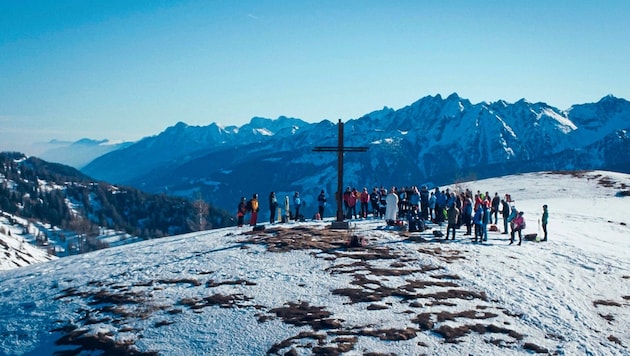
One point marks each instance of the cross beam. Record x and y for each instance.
(340, 149)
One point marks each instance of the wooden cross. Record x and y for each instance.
(340, 149)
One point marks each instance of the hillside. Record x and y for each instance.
(16, 250)
(297, 289)
(66, 212)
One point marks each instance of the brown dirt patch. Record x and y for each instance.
(615, 340)
(238, 282)
(469, 314)
(302, 313)
(535, 348)
(608, 317)
(222, 300)
(89, 343)
(391, 334)
(298, 238)
(610, 303)
(453, 334)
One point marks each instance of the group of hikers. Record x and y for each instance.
(419, 206)
(252, 207)
(415, 206)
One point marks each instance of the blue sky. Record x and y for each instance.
(124, 70)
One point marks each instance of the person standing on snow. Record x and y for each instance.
(273, 205)
(487, 219)
(453, 214)
(287, 209)
(432, 200)
(321, 200)
(467, 213)
(440, 206)
(477, 220)
(519, 225)
(545, 219)
(424, 203)
(391, 207)
(253, 208)
(374, 199)
(241, 211)
(297, 201)
(364, 198)
(496, 201)
(511, 217)
(505, 212)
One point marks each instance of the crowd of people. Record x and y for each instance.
(412, 207)
(252, 207)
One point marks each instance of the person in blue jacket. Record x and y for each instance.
(477, 220)
(297, 202)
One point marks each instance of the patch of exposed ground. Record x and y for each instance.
(282, 239)
(118, 305)
(372, 269)
(434, 303)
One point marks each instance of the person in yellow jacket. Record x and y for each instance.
(253, 208)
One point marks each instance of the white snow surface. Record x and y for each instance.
(568, 296)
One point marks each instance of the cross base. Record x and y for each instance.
(339, 225)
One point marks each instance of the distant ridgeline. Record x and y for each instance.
(433, 141)
(59, 195)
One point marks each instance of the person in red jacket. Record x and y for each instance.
(364, 198)
(241, 211)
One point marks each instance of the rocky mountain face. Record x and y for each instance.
(433, 141)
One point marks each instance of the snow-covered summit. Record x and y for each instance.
(297, 289)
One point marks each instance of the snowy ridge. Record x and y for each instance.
(296, 288)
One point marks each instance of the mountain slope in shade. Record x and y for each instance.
(296, 288)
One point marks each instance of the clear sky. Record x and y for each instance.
(123, 70)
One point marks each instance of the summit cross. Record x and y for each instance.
(340, 149)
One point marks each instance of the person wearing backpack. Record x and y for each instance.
(519, 225)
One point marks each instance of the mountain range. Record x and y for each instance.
(433, 141)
